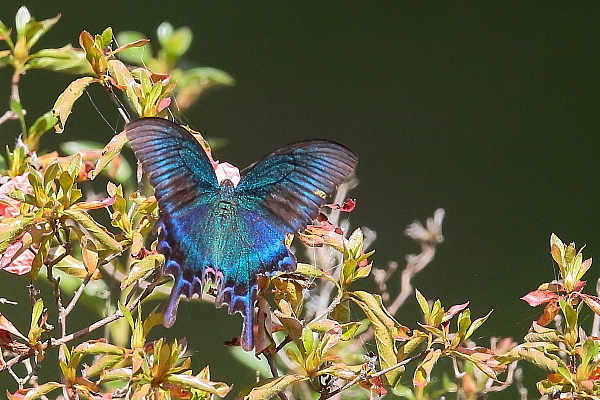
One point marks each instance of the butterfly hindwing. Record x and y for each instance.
(226, 234)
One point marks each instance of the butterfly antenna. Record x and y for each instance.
(118, 103)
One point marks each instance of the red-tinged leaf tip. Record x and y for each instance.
(579, 285)
(452, 311)
(537, 297)
(7, 328)
(347, 206)
(374, 385)
(115, 84)
(592, 302)
(164, 103)
(93, 205)
(550, 312)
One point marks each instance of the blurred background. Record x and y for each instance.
(489, 111)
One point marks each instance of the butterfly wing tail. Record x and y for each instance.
(240, 299)
(170, 311)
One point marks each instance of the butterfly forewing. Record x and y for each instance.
(225, 234)
(289, 185)
(179, 169)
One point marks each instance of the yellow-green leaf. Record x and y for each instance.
(64, 104)
(270, 387)
(384, 326)
(97, 231)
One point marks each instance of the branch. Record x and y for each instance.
(8, 115)
(65, 339)
(364, 377)
(428, 239)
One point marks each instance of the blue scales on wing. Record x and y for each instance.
(210, 230)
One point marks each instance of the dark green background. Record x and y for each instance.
(489, 111)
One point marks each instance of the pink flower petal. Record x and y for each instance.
(15, 263)
(224, 170)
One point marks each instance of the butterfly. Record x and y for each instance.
(227, 234)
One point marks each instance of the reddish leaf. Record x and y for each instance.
(93, 205)
(325, 224)
(452, 311)
(550, 311)
(164, 103)
(347, 206)
(537, 297)
(592, 302)
(374, 385)
(7, 326)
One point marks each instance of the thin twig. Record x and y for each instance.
(363, 377)
(67, 338)
(8, 115)
(274, 373)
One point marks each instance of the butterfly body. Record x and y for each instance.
(227, 234)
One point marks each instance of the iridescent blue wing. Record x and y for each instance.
(180, 171)
(281, 194)
(290, 185)
(186, 189)
(225, 234)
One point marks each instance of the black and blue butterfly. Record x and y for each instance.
(216, 231)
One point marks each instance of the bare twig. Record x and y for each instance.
(7, 116)
(365, 377)
(274, 372)
(428, 239)
(67, 338)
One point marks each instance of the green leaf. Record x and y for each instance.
(126, 313)
(124, 77)
(50, 174)
(132, 49)
(35, 30)
(104, 239)
(38, 391)
(4, 32)
(64, 59)
(423, 304)
(36, 313)
(174, 42)
(209, 76)
(268, 388)
(12, 228)
(64, 104)
(75, 166)
(41, 125)
(188, 381)
(16, 107)
(590, 351)
(98, 347)
(355, 244)
(105, 39)
(142, 268)
(383, 326)
(309, 270)
(464, 321)
(423, 371)
(102, 365)
(476, 324)
(110, 151)
(72, 266)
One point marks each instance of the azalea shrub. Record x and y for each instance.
(312, 324)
